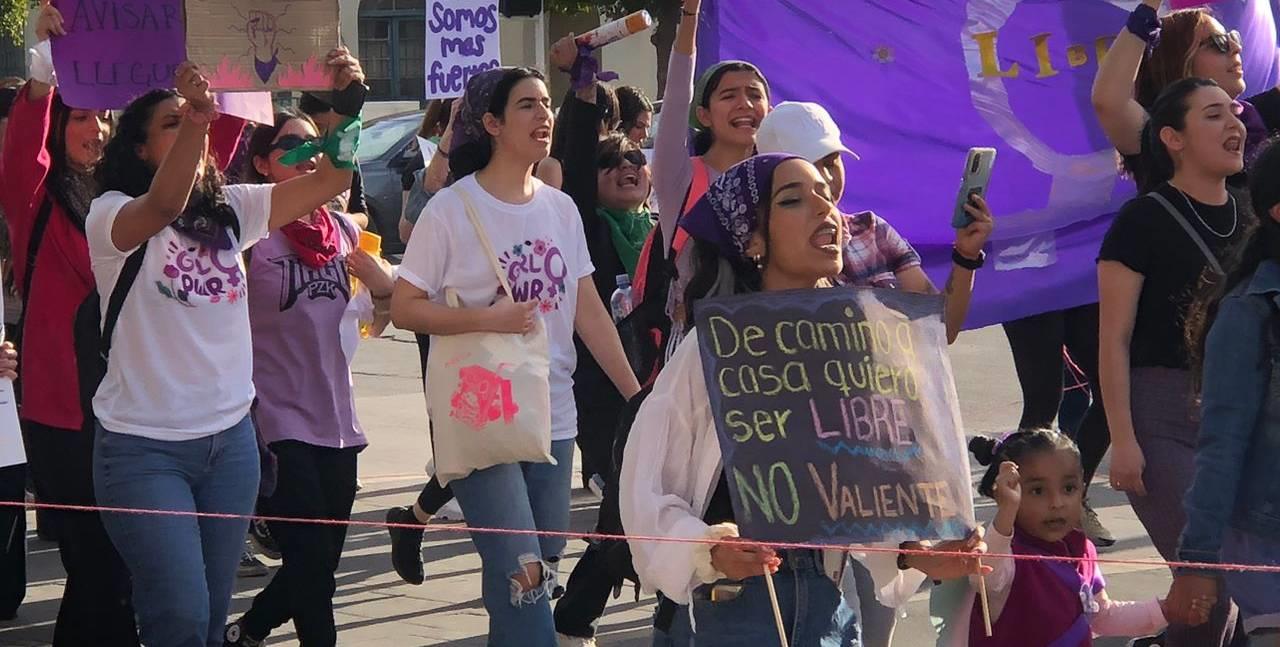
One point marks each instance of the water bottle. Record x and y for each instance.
(620, 302)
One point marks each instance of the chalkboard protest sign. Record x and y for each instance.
(836, 415)
(115, 50)
(462, 41)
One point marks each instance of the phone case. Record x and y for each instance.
(977, 175)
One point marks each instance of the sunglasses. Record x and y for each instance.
(290, 142)
(1223, 43)
(616, 160)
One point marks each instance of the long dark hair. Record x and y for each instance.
(606, 102)
(703, 138)
(475, 155)
(632, 102)
(1170, 60)
(59, 166)
(1262, 242)
(436, 118)
(260, 142)
(1155, 165)
(709, 268)
(123, 170)
(1017, 447)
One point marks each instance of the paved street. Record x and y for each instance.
(375, 608)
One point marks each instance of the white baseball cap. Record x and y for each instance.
(800, 128)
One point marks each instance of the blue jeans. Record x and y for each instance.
(183, 567)
(814, 612)
(524, 496)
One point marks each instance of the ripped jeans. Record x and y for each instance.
(523, 496)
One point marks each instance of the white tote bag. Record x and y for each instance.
(488, 394)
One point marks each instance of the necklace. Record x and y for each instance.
(1235, 214)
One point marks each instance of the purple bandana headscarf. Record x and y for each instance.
(726, 215)
(475, 103)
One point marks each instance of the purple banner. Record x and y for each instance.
(914, 84)
(115, 50)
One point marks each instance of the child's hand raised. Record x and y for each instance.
(1008, 488)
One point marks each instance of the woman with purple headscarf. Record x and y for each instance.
(504, 128)
(768, 224)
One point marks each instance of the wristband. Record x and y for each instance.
(350, 100)
(586, 70)
(970, 264)
(1145, 24)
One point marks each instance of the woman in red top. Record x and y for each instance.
(47, 169)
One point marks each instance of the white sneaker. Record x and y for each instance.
(574, 641)
(596, 485)
(451, 511)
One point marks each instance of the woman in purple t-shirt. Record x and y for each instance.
(300, 301)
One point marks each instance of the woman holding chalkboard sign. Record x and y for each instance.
(767, 224)
(173, 426)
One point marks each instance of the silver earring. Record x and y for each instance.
(756, 259)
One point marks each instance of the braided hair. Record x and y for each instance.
(1016, 447)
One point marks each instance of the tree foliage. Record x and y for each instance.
(13, 19)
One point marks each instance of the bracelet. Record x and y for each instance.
(691, 14)
(440, 151)
(967, 263)
(1145, 24)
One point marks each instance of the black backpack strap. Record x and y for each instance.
(128, 274)
(33, 248)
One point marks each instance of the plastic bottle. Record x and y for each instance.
(620, 302)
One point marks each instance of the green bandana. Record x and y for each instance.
(339, 146)
(629, 229)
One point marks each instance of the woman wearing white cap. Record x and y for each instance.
(874, 254)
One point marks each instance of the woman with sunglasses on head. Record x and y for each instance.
(1150, 54)
(502, 130)
(768, 224)
(1152, 261)
(173, 408)
(300, 294)
(608, 178)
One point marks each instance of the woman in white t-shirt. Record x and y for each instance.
(173, 427)
(504, 128)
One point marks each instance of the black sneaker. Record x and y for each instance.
(235, 636)
(251, 566)
(406, 546)
(1149, 641)
(262, 540)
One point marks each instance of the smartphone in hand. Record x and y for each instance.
(977, 175)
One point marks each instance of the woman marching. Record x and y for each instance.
(503, 129)
(300, 294)
(173, 408)
(1151, 263)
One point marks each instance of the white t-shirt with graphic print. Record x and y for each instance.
(181, 364)
(541, 247)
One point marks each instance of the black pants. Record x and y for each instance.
(604, 565)
(97, 600)
(312, 483)
(1037, 343)
(599, 406)
(13, 539)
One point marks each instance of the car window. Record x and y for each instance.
(379, 137)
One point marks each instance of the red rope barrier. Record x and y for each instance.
(1261, 568)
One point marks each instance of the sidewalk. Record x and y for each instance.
(375, 608)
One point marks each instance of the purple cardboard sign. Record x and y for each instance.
(115, 50)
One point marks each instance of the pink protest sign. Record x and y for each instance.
(250, 106)
(263, 45)
(115, 50)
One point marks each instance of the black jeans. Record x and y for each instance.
(312, 483)
(1037, 343)
(604, 565)
(13, 539)
(97, 600)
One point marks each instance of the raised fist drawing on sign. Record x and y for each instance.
(262, 28)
